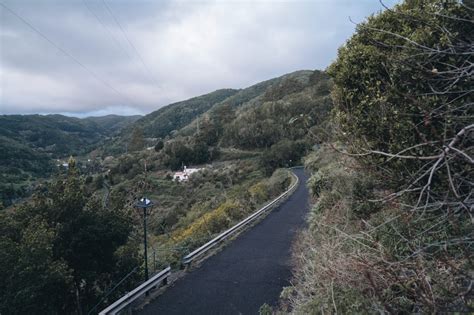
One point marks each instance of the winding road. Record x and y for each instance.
(250, 271)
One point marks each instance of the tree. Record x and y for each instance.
(201, 153)
(32, 279)
(178, 154)
(221, 116)
(207, 131)
(61, 249)
(283, 154)
(137, 141)
(159, 145)
(404, 104)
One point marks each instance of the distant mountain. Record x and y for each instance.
(293, 87)
(285, 110)
(163, 121)
(177, 115)
(28, 143)
(182, 117)
(60, 135)
(112, 123)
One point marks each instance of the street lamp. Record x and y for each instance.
(145, 204)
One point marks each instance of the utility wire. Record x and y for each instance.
(130, 42)
(67, 54)
(117, 42)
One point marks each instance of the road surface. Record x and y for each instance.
(250, 271)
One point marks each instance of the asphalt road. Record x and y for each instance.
(249, 272)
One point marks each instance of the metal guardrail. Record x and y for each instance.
(204, 248)
(163, 275)
(128, 298)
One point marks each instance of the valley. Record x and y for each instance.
(143, 209)
(239, 139)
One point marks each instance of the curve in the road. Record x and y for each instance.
(249, 272)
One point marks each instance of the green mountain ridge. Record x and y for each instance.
(113, 123)
(253, 118)
(28, 143)
(182, 117)
(177, 115)
(60, 135)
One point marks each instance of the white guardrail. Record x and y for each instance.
(204, 248)
(131, 296)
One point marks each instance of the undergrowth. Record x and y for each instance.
(359, 255)
(215, 205)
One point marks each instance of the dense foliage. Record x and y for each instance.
(62, 250)
(29, 143)
(391, 231)
(59, 135)
(404, 82)
(175, 116)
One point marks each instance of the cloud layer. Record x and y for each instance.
(129, 57)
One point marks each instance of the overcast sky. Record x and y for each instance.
(97, 57)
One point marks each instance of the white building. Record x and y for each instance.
(185, 174)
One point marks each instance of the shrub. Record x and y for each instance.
(259, 192)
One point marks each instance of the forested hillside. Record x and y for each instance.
(265, 109)
(392, 230)
(167, 119)
(29, 144)
(273, 119)
(112, 124)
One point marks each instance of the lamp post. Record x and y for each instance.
(145, 204)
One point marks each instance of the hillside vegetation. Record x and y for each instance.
(62, 250)
(167, 119)
(80, 229)
(30, 143)
(391, 230)
(275, 123)
(218, 118)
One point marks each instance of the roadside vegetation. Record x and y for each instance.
(391, 229)
(186, 214)
(79, 234)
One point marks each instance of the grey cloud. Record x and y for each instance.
(189, 48)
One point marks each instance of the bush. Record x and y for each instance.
(283, 154)
(259, 192)
(399, 84)
(159, 146)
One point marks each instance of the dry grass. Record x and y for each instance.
(380, 261)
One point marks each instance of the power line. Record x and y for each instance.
(117, 42)
(130, 42)
(67, 54)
